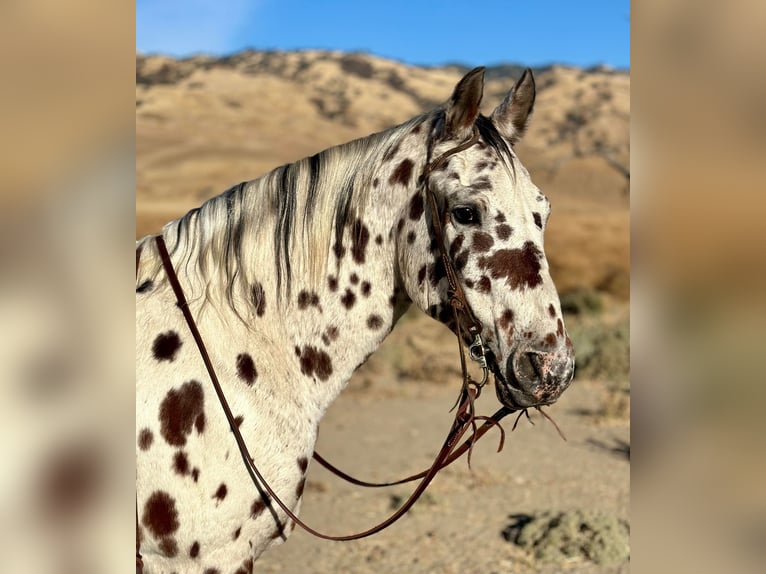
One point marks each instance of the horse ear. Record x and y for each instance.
(512, 116)
(462, 108)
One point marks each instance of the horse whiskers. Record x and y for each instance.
(475, 430)
(547, 416)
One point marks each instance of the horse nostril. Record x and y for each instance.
(525, 368)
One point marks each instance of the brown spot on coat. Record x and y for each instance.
(503, 231)
(354, 278)
(417, 207)
(308, 298)
(211, 571)
(411, 237)
(237, 532)
(560, 329)
(402, 173)
(194, 549)
(303, 464)
(379, 239)
(314, 361)
(551, 310)
(500, 218)
(332, 283)
(348, 299)
(246, 368)
(484, 285)
(160, 515)
(506, 320)
(246, 568)
(538, 219)
(482, 184)
(421, 275)
(179, 410)
(166, 346)
(195, 474)
(360, 237)
(145, 439)
(220, 493)
(550, 339)
(259, 298)
(366, 288)
(168, 547)
(145, 286)
(330, 334)
(519, 267)
(257, 508)
(239, 420)
(456, 244)
(299, 488)
(482, 242)
(181, 463)
(374, 322)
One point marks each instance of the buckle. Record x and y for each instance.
(477, 351)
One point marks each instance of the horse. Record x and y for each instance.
(295, 278)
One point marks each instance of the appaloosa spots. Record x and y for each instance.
(366, 288)
(379, 239)
(238, 531)
(258, 297)
(560, 328)
(503, 231)
(160, 515)
(181, 463)
(551, 310)
(402, 173)
(211, 571)
(360, 237)
(168, 547)
(145, 287)
(314, 361)
(145, 439)
(354, 278)
(506, 320)
(482, 242)
(299, 488)
(348, 299)
(374, 322)
(194, 550)
(246, 568)
(411, 236)
(456, 244)
(416, 207)
(421, 275)
(308, 299)
(484, 285)
(330, 334)
(166, 346)
(256, 509)
(500, 218)
(538, 219)
(180, 410)
(519, 267)
(303, 464)
(332, 283)
(482, 184)
(246, 368)
(220, 493)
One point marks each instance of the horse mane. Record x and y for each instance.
(218, 245)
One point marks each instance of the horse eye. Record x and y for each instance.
(465, 215)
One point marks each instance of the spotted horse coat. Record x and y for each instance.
(294, 279)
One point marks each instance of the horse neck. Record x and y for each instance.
(307, 331)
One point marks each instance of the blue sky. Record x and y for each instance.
(429, 32)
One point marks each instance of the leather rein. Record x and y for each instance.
(465, 417)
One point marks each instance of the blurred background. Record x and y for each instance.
(225, 91)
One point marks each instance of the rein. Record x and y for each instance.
(465, 416)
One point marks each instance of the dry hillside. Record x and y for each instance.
(205, 123)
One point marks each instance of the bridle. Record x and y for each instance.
(466, 323)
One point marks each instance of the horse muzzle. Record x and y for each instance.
(535, 377)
